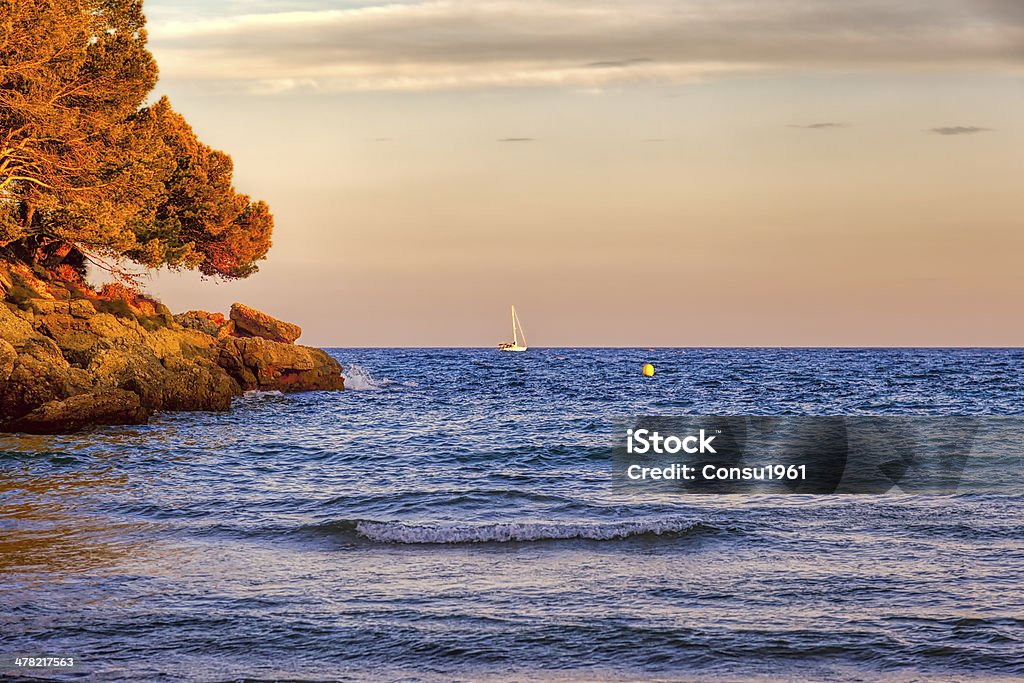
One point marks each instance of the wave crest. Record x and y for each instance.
(511, 532)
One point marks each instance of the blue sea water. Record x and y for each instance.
(452, 517)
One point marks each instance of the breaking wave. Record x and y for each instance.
(359, 378)
(510, 532)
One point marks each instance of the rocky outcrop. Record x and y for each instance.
(39, 375)
(66, 365)
(174, 382)
(252, 323)
(82, 411)
(263, 364)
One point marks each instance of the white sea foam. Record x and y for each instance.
(359, 378)
(397, 532)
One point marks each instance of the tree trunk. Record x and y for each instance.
(28, 212)
(56, 254)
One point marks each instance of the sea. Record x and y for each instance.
(452, 517)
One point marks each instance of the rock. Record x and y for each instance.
(8, 354)
(40, 375)
(257, 363)
(166, 343)
(45, 306)
(112, 327)
(13, 327)
(213, 324)
(135, 369)
(175, 383)
(82, 308)
(80, 339)
(72, 335)
(81, 411)
(252, 323)
(197, 384)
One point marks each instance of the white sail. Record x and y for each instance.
(517, 332)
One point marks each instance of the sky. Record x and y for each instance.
(687, 173)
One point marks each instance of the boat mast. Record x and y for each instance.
(516, 323)
(515, 340)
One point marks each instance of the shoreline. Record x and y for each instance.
(72, 357)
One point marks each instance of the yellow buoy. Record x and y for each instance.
(648, 370)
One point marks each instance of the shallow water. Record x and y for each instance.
(453, 518)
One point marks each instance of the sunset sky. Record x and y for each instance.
(745, 172)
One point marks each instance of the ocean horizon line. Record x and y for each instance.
(993, 347)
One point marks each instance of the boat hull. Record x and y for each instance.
(512, 347)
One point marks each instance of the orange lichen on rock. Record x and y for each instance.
(139, 303)
(213, 324)
(252, 323)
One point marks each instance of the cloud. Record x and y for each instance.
(819, 126)
(516, 140)
(618, 63)
(277, 86)
(958, 130)
(481, 44)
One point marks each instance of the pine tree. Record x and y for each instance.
(87, 167)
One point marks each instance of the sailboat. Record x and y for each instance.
(517, 332)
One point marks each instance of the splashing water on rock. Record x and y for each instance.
(360, 379)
